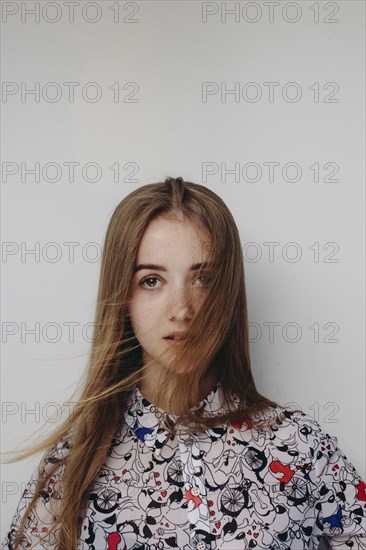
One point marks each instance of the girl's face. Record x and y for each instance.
(166, 289)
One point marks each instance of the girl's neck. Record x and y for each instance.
(148, 390)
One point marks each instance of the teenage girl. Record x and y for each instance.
(170, 444)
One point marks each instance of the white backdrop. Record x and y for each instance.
(263, 102)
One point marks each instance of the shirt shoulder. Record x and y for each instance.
(288, 433)
(295, 436)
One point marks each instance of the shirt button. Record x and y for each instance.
(189, 442)
(195, 492)
(201, 545)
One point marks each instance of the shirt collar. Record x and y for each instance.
(146, 420)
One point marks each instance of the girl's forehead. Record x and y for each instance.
(184, 246)
(164, 253)
(169, 231)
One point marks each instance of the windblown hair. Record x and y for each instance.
(217, 341)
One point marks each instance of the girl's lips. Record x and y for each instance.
(177, 335)
(174, 342)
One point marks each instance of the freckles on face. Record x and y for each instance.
(166, 291)
(145, 313)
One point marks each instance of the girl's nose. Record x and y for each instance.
(180, 304)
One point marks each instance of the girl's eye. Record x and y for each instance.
(206, 279)
(150, 282)
(146, 280)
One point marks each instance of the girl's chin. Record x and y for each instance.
(173, 367)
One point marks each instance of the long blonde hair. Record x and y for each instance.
(217, 341)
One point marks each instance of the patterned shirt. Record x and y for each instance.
(231, 487)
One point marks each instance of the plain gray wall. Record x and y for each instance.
(291, 132)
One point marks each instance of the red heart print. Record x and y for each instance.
(256, 535)
(218, 524)
(249, 532)
(164, 493)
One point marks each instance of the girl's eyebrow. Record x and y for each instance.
(194, 267)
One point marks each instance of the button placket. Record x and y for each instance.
(195, 491)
